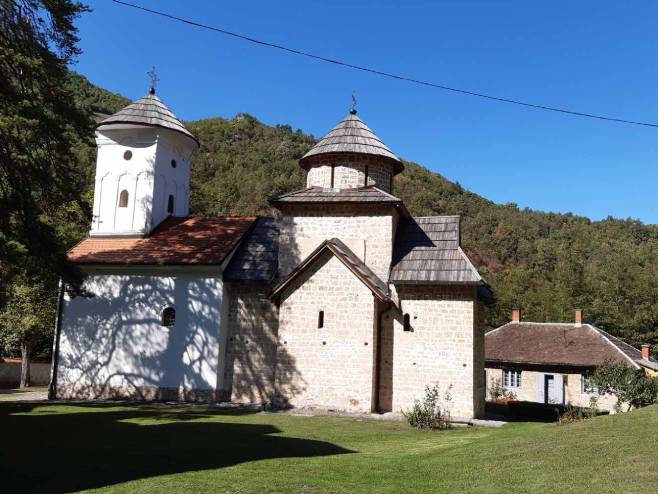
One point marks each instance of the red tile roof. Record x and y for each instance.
(553, 344)
(176, 241)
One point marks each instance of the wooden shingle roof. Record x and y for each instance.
(257, 257)
(149, 110)
(378, 287)
(369, 194)
(176, 241)
(427, 251)
(351, 135)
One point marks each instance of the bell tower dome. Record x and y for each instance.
(142, 169)
(351, 156)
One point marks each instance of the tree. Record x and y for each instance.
(24, 322)
(40, 125)
(630, 386)
(41, 128)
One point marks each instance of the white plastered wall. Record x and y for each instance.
(115, 339)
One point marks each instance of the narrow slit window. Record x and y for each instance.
(333, 170)
(321, 319)
(407, 322)
(170, 204)
(123, 199)
(365, 181)
(169, 317)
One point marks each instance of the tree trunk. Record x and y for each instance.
(26, 354)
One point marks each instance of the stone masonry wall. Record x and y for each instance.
(445, 347)
(328, 367)
(349, 172)
(374, 225)
(251, 344)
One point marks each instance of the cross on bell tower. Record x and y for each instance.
(153, 76)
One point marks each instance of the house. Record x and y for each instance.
(552, 362)
(342, 300)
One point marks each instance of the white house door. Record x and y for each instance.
(553, 392)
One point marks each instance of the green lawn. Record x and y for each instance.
(196, 449)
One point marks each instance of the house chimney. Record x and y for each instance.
(579, 317)
(645, 352)
(516, 314)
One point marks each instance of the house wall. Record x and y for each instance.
(329, 367)
(113, 344)
(349, 171)
(532, 389)
(444, 348)
(251, 350)
(10, 373)
(304, 227)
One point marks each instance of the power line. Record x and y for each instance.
(382, 73)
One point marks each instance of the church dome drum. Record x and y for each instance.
(351, 156)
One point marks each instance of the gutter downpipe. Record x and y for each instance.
(52, 387)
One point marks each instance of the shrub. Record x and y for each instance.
(499, 393)
(573, 414)
(433, 411)
(631, 386)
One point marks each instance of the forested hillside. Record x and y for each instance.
(547, 263)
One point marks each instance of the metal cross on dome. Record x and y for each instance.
(154, 79)
(353, 111)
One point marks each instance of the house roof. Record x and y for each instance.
(150, 111)
(257, 257)
(351, 135)
(369, 194)
(427, 251)
(557, 344)
(176, 241)
(348, 258)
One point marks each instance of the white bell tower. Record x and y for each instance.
(142, 169)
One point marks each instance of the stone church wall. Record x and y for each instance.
(445, 347)
(328, 367)
(251, 346)
(373, 225)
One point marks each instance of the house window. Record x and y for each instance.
(173, 163)
(512, 378)
(321, 319)
(588, 387)
(169, 317)
(407, 322)
(123, 199)
(127, 155)
(170, 204)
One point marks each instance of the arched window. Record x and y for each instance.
(170, 204)
(123, 199)
(407, 323)
(173, 163)
(321, 319)
(169, 317)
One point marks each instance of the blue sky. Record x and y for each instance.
(595, 57)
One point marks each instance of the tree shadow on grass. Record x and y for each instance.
(88, 447)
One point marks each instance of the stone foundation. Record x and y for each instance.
(148, 393)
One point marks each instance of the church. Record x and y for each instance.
(340, 301)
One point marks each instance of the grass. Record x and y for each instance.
(157, 448)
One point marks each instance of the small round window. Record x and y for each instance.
(127, 155)
(173, 163)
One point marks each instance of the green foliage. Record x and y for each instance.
(433, 411)
(630, 386)
(30, 303)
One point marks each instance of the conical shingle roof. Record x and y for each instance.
(351, 135)
(149, 110)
